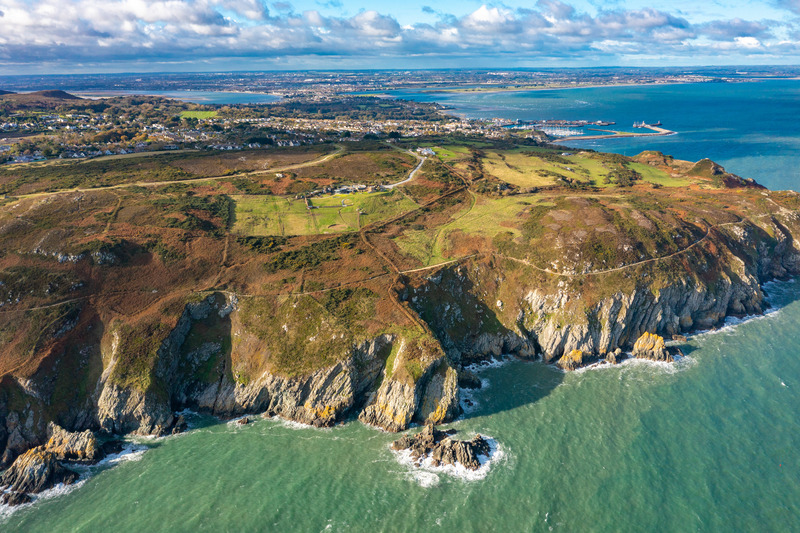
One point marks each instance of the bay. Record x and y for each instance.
(750, 128)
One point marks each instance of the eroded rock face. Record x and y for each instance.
(431, 397)
(442, 449)
(77, 446)
(651, 346)
(36, 470)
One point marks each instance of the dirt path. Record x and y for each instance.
(296, 166)
(114, 212)
(623, 267)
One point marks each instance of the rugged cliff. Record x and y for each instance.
(115, 316)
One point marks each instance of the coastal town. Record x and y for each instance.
(64, 126)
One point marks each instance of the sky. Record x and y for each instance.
(73, 36)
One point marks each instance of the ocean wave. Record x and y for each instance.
(494, 362)
(292, 424)
(730, 323)
(6, 511)
(468, 401)
(233, 423)
(427, 475)
(131, 452)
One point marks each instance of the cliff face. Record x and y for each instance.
(497, 306)
(227, 375)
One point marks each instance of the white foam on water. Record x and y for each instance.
(424, 472)
(291, 424)
(131, 452)
(495, 362)
(732, 322)
(59, 490)
(468, 395)
(770, 288)
(233, 423)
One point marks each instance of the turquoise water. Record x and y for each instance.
(708, 444)
(752, 129)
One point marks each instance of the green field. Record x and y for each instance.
(525, 169)
(198, 114)
(659, 177)
(274, 215)
(450, 153)
(487, 218)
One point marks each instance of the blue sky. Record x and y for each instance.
(44, 36)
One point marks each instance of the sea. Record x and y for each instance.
(709, 443)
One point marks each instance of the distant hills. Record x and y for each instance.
(61, 95)
(50, 99)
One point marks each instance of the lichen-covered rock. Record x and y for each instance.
(393, 407)
(651, 346)
(572, 360)
(439, 402)
(442, 449)
(36, 470)
(69, 446)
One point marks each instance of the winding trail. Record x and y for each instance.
(313, 162)
(623, 267)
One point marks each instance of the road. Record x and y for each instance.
(410, 174)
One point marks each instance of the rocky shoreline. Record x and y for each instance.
(43, 467)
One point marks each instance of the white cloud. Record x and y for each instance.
(34, 31)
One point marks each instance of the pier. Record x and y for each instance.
(657, 131)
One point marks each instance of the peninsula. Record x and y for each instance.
(351, 280)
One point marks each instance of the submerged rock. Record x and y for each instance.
(15, 498)
(468, 380)
(442, 449)
(36, 470)
(651, 346)
(68, 446)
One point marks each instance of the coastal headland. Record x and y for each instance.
(327, 282)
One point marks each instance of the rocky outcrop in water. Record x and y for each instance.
(572, 360)
(651, 346)
(41, 468)
(442, 449)
(36, 470)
